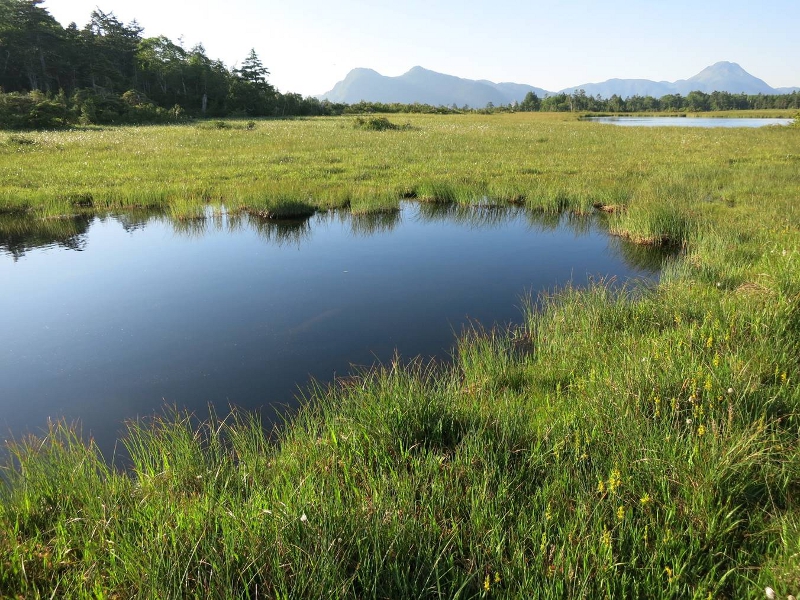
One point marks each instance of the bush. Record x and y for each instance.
(32, 111)
(378, 124)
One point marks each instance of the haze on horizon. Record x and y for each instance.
(310, 46)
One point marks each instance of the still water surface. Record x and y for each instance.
(107, 319)
(688, 121)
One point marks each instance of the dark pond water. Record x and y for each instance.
(107, 319)
(688, 121)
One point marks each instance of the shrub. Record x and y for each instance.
(378, 124)
(32, 111)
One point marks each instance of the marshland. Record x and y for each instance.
(613, 441)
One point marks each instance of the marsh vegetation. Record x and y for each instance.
(613, 444)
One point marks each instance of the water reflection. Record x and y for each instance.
(132, 220)
(646, 258)
(286, 232)
(215, 221)
(20, 233)
(375, 223)
(683, 121)
(234, 309)
(475, 216)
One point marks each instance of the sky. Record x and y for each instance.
(310, 45)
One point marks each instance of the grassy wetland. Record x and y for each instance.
(633, 443)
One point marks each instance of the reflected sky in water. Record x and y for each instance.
(702, 122)
(107, 319)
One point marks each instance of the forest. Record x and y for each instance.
(108, 72)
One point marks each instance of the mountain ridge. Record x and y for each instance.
(421, 85)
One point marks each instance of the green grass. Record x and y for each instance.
(289, 167)
(633, 443)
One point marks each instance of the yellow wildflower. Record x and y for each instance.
(606, 538)
(701, 431)
(645, 500)
(486, 583)
(614, 480)
(621, 513)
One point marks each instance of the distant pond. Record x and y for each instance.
(110, 318)
(688, 121)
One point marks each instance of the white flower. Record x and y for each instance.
(303, 518)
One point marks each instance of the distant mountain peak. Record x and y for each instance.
(728, 77)
(363, 70)
(723, 68)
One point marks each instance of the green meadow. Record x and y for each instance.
(642, 442)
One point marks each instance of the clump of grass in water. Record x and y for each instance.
(653, 224)
(281, 208)
(187, 209)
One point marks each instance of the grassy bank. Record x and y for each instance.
(290, 168)
(616, 444)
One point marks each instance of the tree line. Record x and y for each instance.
(107, 72)
(696, 101)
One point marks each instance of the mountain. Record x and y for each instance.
(426, 87)
(722, 77)
(725, 77)
(719, 77)
(429, 87)
(624, 88)
(517, 91)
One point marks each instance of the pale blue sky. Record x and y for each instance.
(310, 45)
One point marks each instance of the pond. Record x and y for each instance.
(109, 318)
(688, 121)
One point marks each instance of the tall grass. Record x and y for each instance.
(642, 442)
